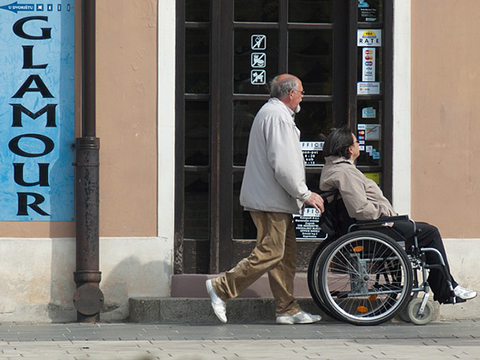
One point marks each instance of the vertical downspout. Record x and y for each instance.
(88, 298)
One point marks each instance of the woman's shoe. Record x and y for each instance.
(463, 293)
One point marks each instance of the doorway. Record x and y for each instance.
(227, 51)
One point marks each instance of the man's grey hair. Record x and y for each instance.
(281, 87)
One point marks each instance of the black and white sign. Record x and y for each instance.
(259, 60)
(259, 42)
(258, 77)
(307, 225)
(310, 150)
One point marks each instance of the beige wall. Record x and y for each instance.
(126, 123)
(127, 116)
(446, 115)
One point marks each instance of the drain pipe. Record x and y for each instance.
(88, 298)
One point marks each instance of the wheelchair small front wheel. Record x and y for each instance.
(365, 278)
(415, 317)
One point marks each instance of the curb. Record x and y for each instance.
(198, 310)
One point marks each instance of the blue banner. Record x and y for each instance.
(37, 110)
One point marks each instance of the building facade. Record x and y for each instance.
(178, 83)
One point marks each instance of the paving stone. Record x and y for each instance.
(439, 340)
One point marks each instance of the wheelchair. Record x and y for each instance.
(362, 276)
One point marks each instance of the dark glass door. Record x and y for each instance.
(229, 55)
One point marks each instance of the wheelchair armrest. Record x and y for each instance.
(379, 222)
(386, 219)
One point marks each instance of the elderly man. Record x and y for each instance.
(364, 200)
(273, 189)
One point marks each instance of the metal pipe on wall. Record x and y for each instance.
(88, 298)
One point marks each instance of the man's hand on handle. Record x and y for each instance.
(316, 201)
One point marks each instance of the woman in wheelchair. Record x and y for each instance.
(364, 200)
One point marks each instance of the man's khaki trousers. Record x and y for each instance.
(275, 253)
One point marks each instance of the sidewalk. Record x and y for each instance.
(438, 340)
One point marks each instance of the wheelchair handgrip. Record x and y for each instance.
(327, 194)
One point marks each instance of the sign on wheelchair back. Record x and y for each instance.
(307, 225)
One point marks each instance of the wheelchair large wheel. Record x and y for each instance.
(313, 277)
(365, 278)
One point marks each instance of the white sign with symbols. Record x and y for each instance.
(259, 42)
(259, 60)
(258, 77)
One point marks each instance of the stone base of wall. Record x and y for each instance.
(38, 287)
(37, 277)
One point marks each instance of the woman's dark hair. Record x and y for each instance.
(338, 143)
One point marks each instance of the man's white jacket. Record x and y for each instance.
(274, 179)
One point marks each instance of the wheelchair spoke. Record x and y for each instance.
(350, 267)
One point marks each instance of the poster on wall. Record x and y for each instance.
(37, 108)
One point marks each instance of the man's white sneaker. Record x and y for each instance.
(463, 293)
(301, 317)
(218, 305)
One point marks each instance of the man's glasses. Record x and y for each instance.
(301, 92)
